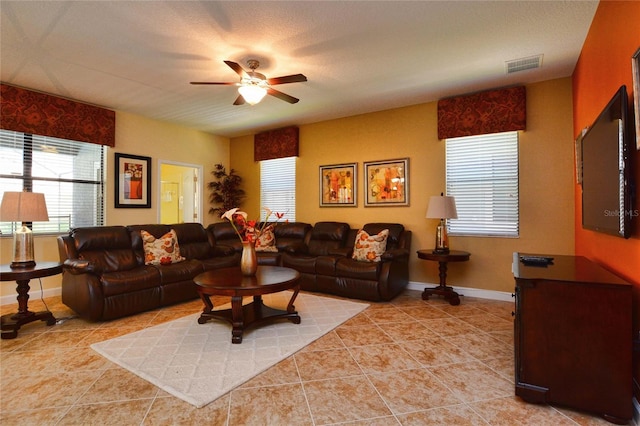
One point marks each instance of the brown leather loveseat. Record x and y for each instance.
(326, 265)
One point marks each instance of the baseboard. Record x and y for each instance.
(467, 291)
(413, 285)
(34, 294)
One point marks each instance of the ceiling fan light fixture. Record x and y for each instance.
(252, 93)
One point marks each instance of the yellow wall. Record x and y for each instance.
(138, 136)
(546, 181)
(161, 141)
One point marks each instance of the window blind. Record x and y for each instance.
(278, 187)
(69, 173)
(482, 175)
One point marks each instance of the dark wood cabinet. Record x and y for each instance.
(573, 336)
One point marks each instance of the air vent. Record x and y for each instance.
(523, 64)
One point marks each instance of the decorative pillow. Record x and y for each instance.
(161, 251)
(267, 240)
(370, 247)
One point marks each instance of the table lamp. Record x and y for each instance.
(23, 207)
(442, 207)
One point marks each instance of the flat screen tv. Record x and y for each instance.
(606, 170)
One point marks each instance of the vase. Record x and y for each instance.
(248, 261)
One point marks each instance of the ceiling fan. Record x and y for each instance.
(253, 86)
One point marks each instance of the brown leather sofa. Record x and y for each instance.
(105, 277)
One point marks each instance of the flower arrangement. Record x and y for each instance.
(247, 230)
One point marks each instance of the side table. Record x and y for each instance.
(11, 323)
(442, 259)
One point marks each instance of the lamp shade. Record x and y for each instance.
(442, 207)
(23, 207)
(252, 93)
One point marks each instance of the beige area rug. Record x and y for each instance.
(197, 362)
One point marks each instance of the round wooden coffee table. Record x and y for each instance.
(231, 282)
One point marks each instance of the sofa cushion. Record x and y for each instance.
(349, 268)
(369, 248)
(326, 236)
(161, 251)
(301, 263)
(121, 282)
(107, 248)
(291, 235)
(193, 240)
(157, 230)
(179, 272)
(267, 240)
(396, 232)
(223, 234)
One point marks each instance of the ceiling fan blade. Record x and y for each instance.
(294, 78)
(210, 82)
(239, 100)
(236, 67)
(283, 96)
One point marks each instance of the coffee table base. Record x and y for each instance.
(242, 317)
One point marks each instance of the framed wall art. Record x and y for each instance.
(338, 183)
(635, 68)
(133, 181)
(386, 183)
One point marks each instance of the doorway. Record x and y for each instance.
(180, 192)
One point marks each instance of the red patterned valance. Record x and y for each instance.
(494, 111)
(26, 111)
(278, 143)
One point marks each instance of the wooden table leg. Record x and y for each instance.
(237, 315)
(208, 308)
(291, 309)
(442, 290)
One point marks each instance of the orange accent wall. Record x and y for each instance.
(604, 65)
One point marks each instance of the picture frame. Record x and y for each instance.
(132, 181)
(338, 185)
(635, 70)
(386, 183)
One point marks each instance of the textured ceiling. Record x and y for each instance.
(358, 56)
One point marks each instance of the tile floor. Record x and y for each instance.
(407, 362)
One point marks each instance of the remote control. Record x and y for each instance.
(536, 260)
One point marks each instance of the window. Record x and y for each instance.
(69, 173)
(278, 187)
(482, 175)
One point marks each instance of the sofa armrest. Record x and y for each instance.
(342, 251)
(79, 266)
(395, 254)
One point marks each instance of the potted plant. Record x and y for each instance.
(226, 192)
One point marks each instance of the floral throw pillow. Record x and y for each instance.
(267, 240)
(161, 251)
(369, 248)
